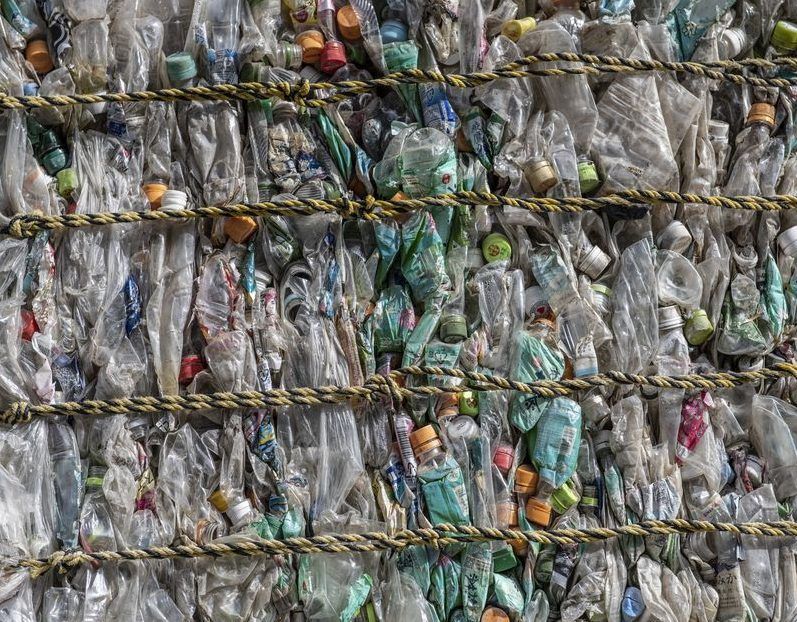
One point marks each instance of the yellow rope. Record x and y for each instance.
(379, 386)
(301, 92)
(371, 208)
(440, 535)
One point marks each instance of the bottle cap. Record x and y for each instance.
(732, 41)
(526, 480)
(503, 559)
(154, 193)
(462, 427)
(291, 54)
(180, 67)
(718, 130)
(541, 175)
(564, 498)
(675, 237)
(312, 42)
(174, 199)
(588, 179)
(424, 439)
(632, 607)
(67, 181)
(447, 405)
(761, 112)
(278, 504)
(698, 328)
(38, 55)
(54, 160)
(238, 512)
(504, 457)
(589, 497)
(219, 501)
(784, 36)
(453, 328)
(253, 72)
(670, 317)
(190, 366)
(393, 31)
(538, 512)
(518, 27)
(469, 403)
(594, 262)
(240, 228)
(494, 614)
(348, 24)
(787, 241)
(29, 325)
(602, 297)
(507, 513)
(333, 56)
(496, 247)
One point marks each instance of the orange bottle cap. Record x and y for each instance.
(423, 439)
(761, 113)
(507, 514)
(312, 42)
(526, 480)
(154, 193)
(348, 24)
(494, 614)
(38, 54)
(538, 512)
(219, 501)
(240, 228)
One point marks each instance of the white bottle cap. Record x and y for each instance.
(788, 241)
(594, 262)
(463, 427)
(174, 199)
(670, 317)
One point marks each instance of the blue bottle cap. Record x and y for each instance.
(393, 30)
(633, 605)
(180, 67)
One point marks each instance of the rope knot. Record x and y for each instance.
(387, 385)
(370, 204)
(350, 208)
(18, 412)
(14, 227)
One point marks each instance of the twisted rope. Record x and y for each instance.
(440, 535)
(378, 385)
(300, 93)
(371, 208)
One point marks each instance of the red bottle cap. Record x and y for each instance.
(504, 457)
(29, 325)
(333, 56)
(190, 366)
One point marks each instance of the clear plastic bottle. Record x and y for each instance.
(65, 457)
(224, 35)
(96, 526)
(440, 478)
(428, 163)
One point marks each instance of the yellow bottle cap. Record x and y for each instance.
(240, 228)
(538, 512)
(526, 480)
(423, 439)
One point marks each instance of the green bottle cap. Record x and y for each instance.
(588, 176)
(564, 498)
(496, 247)
(180, 67)
(784, 36)
(67, 181)
(54, 160)
(504, 559)
(453, 328)
(698, 328)
(469, 403)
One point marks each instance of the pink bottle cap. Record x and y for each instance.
(504, 457)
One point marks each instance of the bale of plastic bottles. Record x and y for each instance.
(256, 302)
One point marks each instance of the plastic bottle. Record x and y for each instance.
(224, 35)
(440, 479)
(96, 526)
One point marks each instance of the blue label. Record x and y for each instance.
(132, 305)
